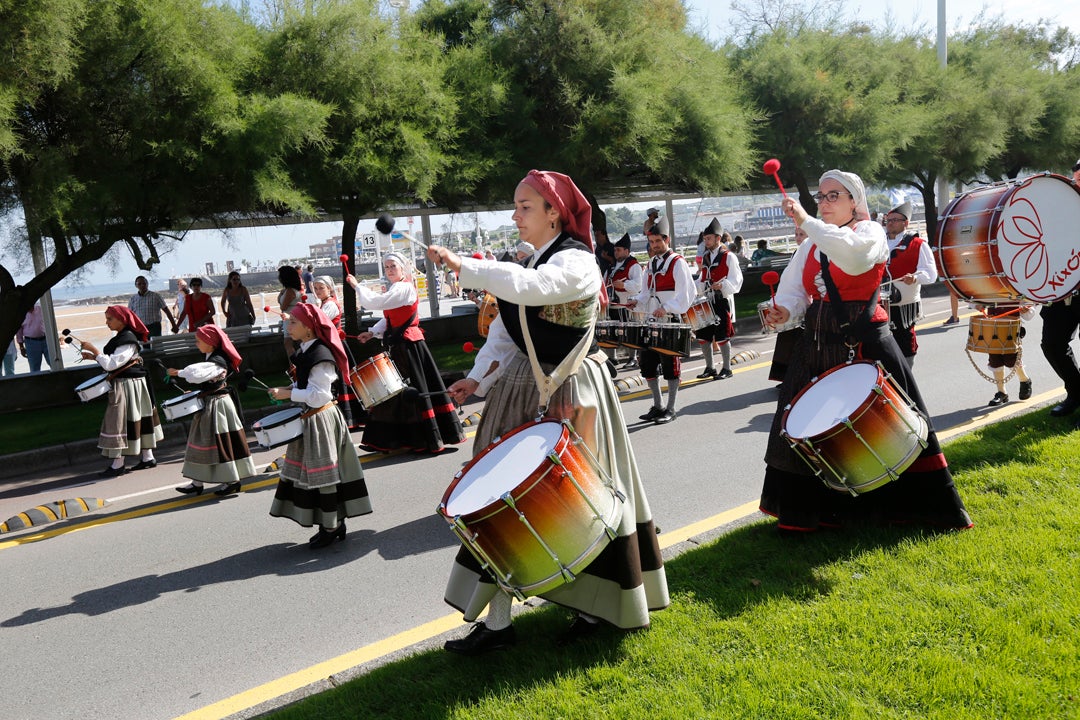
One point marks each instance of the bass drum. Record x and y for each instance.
(1003, 242)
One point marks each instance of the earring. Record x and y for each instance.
(552, 224)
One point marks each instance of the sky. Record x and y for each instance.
(713, 18)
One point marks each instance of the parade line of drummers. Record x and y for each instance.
(552, 503)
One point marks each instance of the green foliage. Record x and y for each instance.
(856, 623)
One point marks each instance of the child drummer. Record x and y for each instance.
(998, 362)
(217, 447)
(321, 481)
(130, 426)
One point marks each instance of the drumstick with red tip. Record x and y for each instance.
(283, 316)
(771, 278)
(344, 262)
(772, 167)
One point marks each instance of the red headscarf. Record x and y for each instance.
(130, 320)
(314, 318)
(563, 195)
(215, 336)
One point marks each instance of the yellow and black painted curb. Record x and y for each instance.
(51, 512)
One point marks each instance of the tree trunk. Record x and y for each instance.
(350, 221)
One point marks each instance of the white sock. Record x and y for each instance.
(117, 463)
(498, 615)
(725, 351)
(148, 455)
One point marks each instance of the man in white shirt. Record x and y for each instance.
(911, 265)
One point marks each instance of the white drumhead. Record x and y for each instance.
(497, 472)
(181, 398)
(92, 382)
(1036, 237)
(831, 399)
(280, 417)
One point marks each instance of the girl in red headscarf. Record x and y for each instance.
(131, 426)
(321, 480)
(217, 447)
(558, 294)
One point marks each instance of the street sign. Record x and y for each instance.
(368, 241)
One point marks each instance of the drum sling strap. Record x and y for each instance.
(393, 335)
(853, 330)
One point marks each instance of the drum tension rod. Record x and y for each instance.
(568, 576)
(468, 539)
(556, 460)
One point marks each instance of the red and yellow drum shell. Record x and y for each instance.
(551, 503)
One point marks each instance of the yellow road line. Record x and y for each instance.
(315, 673)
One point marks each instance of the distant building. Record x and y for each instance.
(326, 249)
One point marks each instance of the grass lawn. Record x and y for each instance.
(860, 623)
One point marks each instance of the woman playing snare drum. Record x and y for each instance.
(422, 418)
(217, 448)
(321, 481)
(559, 290)
(845, 255)
(131, 426)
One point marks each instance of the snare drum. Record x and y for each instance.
(376, 380)
(995, 336)
(95, 387)
(1010, 240)
(766, 329)
(632, 334)
(607, 333)
(279, 428)
(854, 427)
(670, 338)
(700, 315)
(178, 407)
(533, 508)
(489, 310)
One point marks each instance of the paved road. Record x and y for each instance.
(161, 605)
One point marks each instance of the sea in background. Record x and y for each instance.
(62, 294)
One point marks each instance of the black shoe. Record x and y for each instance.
(1000, 398)
(145, 465)
(1066, 407)
(113, 472)
(951, 321)
(1025, 390)
(481, 640)
(326, 537)
(709, 373)
(191, 489)
(654, 412)
(629, 365)
(725, 374)
(579, 630)
(233, 487)
(665, 417)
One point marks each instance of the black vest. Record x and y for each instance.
(125, 337)
(552, 342)
(304, 361)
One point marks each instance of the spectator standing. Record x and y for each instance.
(308, 277)
(9, 359)
(31, 339)
(762, 252)
(236, 303)
(198, 309)
(182, 292)
(148, 306)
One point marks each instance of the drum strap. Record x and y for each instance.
(548, 384)
(853, 330)
(137, 360)
(316, 411)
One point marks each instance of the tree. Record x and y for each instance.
(392, 124)
(146, 132)
(830, 100)
(616, 93)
